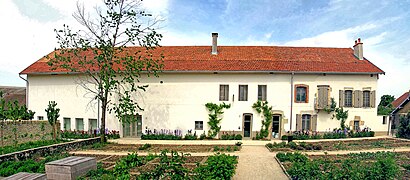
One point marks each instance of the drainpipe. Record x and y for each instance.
(26, 89)
(291, 100)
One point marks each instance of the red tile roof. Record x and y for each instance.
(249, 58)
(398, 101)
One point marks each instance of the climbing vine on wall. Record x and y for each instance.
(266, 110)
(215, 110)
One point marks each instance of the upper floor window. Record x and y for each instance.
(223, 92)
(306, 122)
(262, 92)
(348, 98)
(243, 92)
(301, 93)
(366, 98)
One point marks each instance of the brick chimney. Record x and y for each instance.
(214, 43)
(358, 49)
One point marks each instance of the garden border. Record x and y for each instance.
(25, 154)
(281, 166)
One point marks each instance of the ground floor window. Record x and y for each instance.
(67, 124)
(79, 124)
(92, 124)
(306, 122)
(199, 125)
(356, 125)
(40, 117)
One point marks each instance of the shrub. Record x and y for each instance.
(238, 143)
(122, 167)
(190, 136)
(169, 167)
(202, 136)
(144, 147)
(291, 157)
(160, 137)
(219, 166)
(238, 137)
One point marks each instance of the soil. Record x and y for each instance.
(159, 147)
(385, 143)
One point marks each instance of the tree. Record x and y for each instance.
(385, 106)
(52, 116)
(341, 115)
(404, 127)
(111, 70)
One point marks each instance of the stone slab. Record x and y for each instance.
(26, 176)
(70, 167)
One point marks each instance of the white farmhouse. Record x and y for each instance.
(298, 82)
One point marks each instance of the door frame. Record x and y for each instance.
(243, 125)
(133, 126)
(280, 125)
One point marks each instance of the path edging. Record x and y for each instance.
(283, 168)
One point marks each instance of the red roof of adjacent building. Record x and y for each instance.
(248, 58)
(398, 101)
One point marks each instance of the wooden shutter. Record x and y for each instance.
(341, 98)
(322, 97)
(313, 122)
(357, 99)
(373, 99)
(221, 93)
(298, 122)
(351, 123)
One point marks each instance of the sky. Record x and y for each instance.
(27, 29)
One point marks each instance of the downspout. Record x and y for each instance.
(291, 100)
(26, 89)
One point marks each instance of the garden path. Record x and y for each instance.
(256, 162)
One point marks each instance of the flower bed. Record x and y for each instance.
(381, 165)
(113, 134)
(336, 134)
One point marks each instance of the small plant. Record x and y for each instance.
(52, 116)
(144, 147)
(238, 143)
(219, 166)
(202, 136)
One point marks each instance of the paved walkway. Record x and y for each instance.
(256, 162)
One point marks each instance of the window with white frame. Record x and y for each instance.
(262, 92)
(223, 92)
(348, 98)
(243, 92)
(67, 123)
(199, 125)
(306, 121)
(79, 124)
(366, 98)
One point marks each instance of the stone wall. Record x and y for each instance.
(27, 130)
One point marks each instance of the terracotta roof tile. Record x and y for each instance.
(249, 58)
(398, 101)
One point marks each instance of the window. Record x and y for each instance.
(92, 124)
(306, 122)
(67, 124)
(243, 92)
(366, 98)
(262, 92)
(199, 125)
(79, 124)
(223, 92)
(348, 98)
(40, 117)
(356, 125)
(301, 93)
(384, 119)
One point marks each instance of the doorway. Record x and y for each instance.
(247, 125)
(133, 128)
(275, 126)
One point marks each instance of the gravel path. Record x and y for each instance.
(256, 162)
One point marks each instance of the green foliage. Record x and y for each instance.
(385, 106)
(341, 115)
(266, 110)
(332, 106)
(8, 168)
(160, 137)
(169, 167)
(100, 53)
(28, 145)
(292, 145)
(144, 147)
(190, 136)
(357, 166)
(214, 117)
(218, 166)
(231, 137)
(202, 136)
(53, 114)
(404, 127)
(122, 167)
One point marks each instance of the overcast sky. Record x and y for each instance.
(26, 31)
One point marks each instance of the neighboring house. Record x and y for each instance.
(12, 93)
(401, 107)
(298, 82)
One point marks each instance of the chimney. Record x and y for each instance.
(214, 43)
(358, 49)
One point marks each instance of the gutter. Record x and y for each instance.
(27, 85)
(291, 100)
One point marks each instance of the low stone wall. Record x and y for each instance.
(25, 154)
(27, 130)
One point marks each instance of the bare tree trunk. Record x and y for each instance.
(103, 117)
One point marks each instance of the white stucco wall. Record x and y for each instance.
(179, 101)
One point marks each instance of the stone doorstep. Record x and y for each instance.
(26, 176)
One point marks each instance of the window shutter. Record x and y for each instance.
(351, 123)
(372, 99)
(361, 123)
(298, 122)
(341, 98)
(314, 123)
(322, 98)
(357, 98)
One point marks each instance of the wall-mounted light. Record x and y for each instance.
(161, 82)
